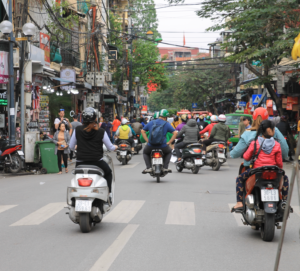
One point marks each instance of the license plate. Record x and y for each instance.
(198, 162)
(157, 161)
(83, 206)
(269, 195)
(221, 155)
(173, 159)
(123, 152)
(20, 153)
(135, 141)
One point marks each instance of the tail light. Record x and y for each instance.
(285, 138)
(123, 145)
(269, 175)
(85, 181)
(157, 155)
(221, 146)
(196, 150)
(138, 135)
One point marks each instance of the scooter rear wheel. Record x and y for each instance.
(124, 161)
(195, 170)
(85, 222)
(268, 228)
(179, 168)
(216, 163)
(158, 179)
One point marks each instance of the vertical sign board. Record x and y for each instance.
(45, 45)
(4, 67)
(69, 75)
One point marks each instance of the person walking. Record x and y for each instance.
(61, 139)
(242, 127)
(115, 125)
(75, 123)
(62, 119)
(107, 126)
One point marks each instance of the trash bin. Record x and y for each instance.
(49, 158)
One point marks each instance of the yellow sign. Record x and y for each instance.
(20, 39)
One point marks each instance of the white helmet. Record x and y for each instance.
(222, 118)
(213, 118)
(124, 121)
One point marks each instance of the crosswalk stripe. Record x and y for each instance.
(181, 213)
(41, 215)
(109, 256)
(238, 217)
(124, 211)
(4, 208)
(131, 165)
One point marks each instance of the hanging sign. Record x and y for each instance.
(69, 75)
(289, 106)
(4, 67)
(293, 100)
(45, 45)
(269, 103)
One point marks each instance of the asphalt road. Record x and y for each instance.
(182, 223)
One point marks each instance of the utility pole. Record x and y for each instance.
(11, 112)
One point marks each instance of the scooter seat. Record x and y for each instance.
(194, 144)
(218, 142)
(91, 170)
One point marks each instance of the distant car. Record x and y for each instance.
(232, 121)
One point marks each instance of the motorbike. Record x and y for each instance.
(11, 157)
(88, 195)
(124, 153)
(216, 155)
(137, 144)
(262, 200)
(191, 158)
(157, 164)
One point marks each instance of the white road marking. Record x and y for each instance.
(109, 256)
(181, 213)
(124, 211)
(238, 217)
(4, 208)
(41, 214)
(130, 165)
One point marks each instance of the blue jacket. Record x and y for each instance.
(248, 136)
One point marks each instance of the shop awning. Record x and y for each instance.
(184, 112)
(248, 81)
(222, 100)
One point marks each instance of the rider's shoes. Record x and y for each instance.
(203, 157)
(147, 170)
(168, 170)
(178, 161)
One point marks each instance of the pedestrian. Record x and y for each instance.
(247, 121)
(107, 126)
(116, 123)
(61, 139)
(75, 123)
(242, 127)
(61, 119)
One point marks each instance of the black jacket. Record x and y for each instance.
(89, 144)
(284, 128)
(202, 123)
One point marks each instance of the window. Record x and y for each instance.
(233, 120)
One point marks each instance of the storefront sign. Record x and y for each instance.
(289, 106)
(3, 102)
(69, 75)
(269, 103)
(2, 120)
(4, 67)
(3, 95)
(293, 100)
(45, 45)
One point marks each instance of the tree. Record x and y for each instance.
(263, 30)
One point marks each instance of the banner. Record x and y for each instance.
(4, 67)
(45, 45)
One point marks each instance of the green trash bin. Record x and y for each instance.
(48, 156)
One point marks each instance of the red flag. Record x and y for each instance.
(183, 39)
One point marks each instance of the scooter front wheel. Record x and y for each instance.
(16, 166)
(85, 222)
(158, 179)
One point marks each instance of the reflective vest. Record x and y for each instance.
(124, 132)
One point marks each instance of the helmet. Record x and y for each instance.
(201, 117)
(156, 115)
(184, 118)
(207, 117)
(210, 114)
(260, 111)
(89, 114)
(124, 121)
(176, 118)
(214, 118)
(222, 118)
(164, 113)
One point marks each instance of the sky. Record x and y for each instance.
(183, 19)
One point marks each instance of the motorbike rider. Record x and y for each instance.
(220, 132)
(209, 127)
(202, 123)
(268, 153)
(89, 139)
(247, 137)
(124, 133)
(191, 135)
(207, 119)
(166, 127)
(284, 127)
(175, 122)
(184, 119)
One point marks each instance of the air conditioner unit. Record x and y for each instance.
(108, 77)
(96, 97)
(90, 78)
(90, 97)
(90, 104)
(100, 79)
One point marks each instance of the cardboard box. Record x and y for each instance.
(289, 106)
(284, 100)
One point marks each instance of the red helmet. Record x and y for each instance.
(260, 111)
(210, 114)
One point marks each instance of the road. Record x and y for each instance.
(182, 223)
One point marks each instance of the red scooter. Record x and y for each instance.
(11, 157)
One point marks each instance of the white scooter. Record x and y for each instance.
(88, 195)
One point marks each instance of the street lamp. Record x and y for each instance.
(6, 27)
(29, 29)
(150, 35)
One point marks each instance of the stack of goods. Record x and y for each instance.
(44, 123)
